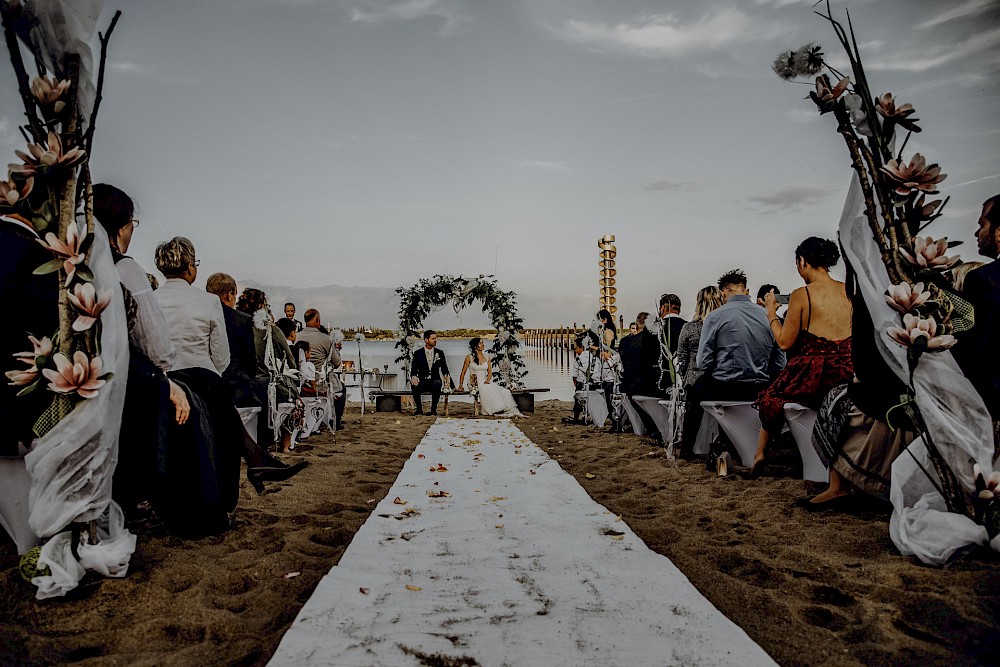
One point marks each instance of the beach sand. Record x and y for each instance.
(811, 589)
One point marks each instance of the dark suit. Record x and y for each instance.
(242, 358)
(430, 377)
(31, 302)
(979, 359)
(640, 355)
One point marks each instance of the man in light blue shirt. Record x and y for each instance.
(737, 351)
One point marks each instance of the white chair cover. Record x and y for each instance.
(801, 421)
(249, 417)
(660, 414)
(953, 411)
(633, 417)
(597, 409)
(707, 433)
(741, 422)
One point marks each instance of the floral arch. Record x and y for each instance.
(432, 294)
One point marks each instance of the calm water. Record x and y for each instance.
(541, 372)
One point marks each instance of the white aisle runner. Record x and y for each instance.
(516, 565)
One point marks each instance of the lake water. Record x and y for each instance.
(542, 373)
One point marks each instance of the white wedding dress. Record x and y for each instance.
(494, 399)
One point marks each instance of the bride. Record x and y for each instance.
(495, 400)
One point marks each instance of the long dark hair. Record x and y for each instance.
(603, 314)
(474, 348)
(113, 209)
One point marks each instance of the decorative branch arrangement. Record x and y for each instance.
(417, 302)
(47, 190)
(897, 210)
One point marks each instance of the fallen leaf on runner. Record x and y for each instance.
(438, 494)
(440, 468)
(517, 451)
(292, 575)
(364, 591)
(440, 449)
(411, 587)
(499, 525)
(532, 472)
(473, 442)
(476, 491)
(399, 501)
(370, 501)
(496, 498)
(437, 483)
(619, 518)
(421, 456)
(617, 537)
(590, 475)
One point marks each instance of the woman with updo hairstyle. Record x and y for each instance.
(816, 334)
(494, 399)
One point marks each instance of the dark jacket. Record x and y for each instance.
(31, 302)
(242, 357)
(640, 355)
(980, 360)
(427, 374)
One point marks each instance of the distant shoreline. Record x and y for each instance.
(443, 334)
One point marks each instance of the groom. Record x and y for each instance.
(429, 365)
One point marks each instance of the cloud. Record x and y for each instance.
(672, 186)
(967, 9)
(968, 50)
(664, 35)
(792, 196)
(130, 67)
(378, 11)
(8, 131)
(803, 115)
(541, 165)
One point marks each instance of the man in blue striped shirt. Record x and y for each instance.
(737, 352)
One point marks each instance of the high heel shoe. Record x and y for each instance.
(257, 476)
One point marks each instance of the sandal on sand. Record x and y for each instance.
(837, 504)
(723, 464)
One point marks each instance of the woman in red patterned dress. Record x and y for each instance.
(817, 335)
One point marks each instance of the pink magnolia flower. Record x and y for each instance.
(11, 192)
(914, 176)
(930, 254)
(826, 93)
(886, 107)
(905, 297)
(40, 158)
(70, 250)
(23, 376)
(82, 376)
(989, 487)
(48, 91)
(916, 327)
(86, 301)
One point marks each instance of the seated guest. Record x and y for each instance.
(979, 359)
(640, 355)
(306, 367)
(326, 357)
(273, 358)
(709, 298)
(580, 376)
(197, 328)
(242, 367)
(667, 332)
(287, 328)
(817, 330)
(736, 353)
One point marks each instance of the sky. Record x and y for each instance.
(307, 143)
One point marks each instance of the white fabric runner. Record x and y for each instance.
(516, 566)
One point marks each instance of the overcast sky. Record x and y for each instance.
(303, 143)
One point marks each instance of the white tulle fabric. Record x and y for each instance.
(71, 466)
(65, 27)
(494, 399)
(956, 417)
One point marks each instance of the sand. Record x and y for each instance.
(809, 588)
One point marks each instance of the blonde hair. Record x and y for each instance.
(173, 256)
(220, 284)
(709, 298)
(959, 273)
